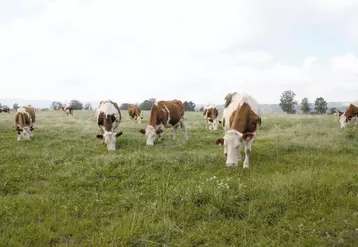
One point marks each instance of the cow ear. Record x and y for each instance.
(159, 131)
(142, 131)
(119, 134)
(99, 137)
(220, 141)
(247, 136)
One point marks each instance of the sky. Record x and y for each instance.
(197, 50)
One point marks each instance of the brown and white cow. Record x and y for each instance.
(24, 121)
(67, 110)
(211, 116)
(135, 113)
(349, 117)
(243, 116)
(337, 115)
(165, 114)
(108, 117)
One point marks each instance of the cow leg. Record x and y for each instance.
(185, 129)
(248, 146)
(18, 136)
(175, 128)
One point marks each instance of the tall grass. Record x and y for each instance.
(64, 188)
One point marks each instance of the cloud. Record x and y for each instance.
(192, 50)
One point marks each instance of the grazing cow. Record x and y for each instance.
(243, 116)
(67, 110)
(24, 120)
(108, 117)
(135, 113)
(5, 110)
(349, 117)
(211, 115)
(165, 114)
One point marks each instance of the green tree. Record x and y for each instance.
(305, 108)
(87, 106)
(147, 105)
(76, 105)
(56, 105)
(189, 106)
(288, 102)
(15, 106)
(320, 106)
(124, 106)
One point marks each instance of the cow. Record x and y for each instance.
(24, 122)
(5, 109)
(349, 117)
(135, 113)
(211, 116)
(243, 119)
(108, 117)
(67, 110)
(165, 114)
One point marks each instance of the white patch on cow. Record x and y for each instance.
(150, 134)
(346, 123)
(109, 138)
(168, 114)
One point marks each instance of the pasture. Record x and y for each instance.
(65, 189)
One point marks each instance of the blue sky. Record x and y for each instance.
(129, 51)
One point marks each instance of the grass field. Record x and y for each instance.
(65, 189)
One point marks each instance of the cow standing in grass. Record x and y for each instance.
(165, 114)
(243, 118)
(349, 117)
(211, 116)
(135, 113)
(67, 110)
(24, 121)
(108, 117)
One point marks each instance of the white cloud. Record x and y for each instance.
(134, 50)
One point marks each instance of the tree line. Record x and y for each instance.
(146, 105)
(288, 104)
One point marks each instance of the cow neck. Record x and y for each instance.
(153, 116)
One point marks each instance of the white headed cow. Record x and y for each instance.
(24, 120)
(165, 114)
(108, 117)
(211, 115)
(242, 120)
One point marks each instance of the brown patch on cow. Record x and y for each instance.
(220, 142)
(212, 114)
(244, 119)
(160, 115)
(106, 120)
(352, 111)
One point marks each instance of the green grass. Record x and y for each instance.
(65, 189)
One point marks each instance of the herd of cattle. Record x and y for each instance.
(241, 118)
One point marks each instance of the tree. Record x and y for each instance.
(146, 105)
(288, 102)
(124, 106)
(201, 108)
(305, 108)
(87, 106)
(56, 105)
(15, 106)
(76, 105)
(333, 110)
(189, 106)
(320, 106)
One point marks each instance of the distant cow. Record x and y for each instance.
(337, 115)
(211, 116)
(24, 120)
(108, 117)
(349, 117)
(165, 114)
(243, 119)
(135, 113)
(67, 110)
(5, 110)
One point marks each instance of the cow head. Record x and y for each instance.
(26, 132)
(109, 138)
(232, 142)
(150, 132)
